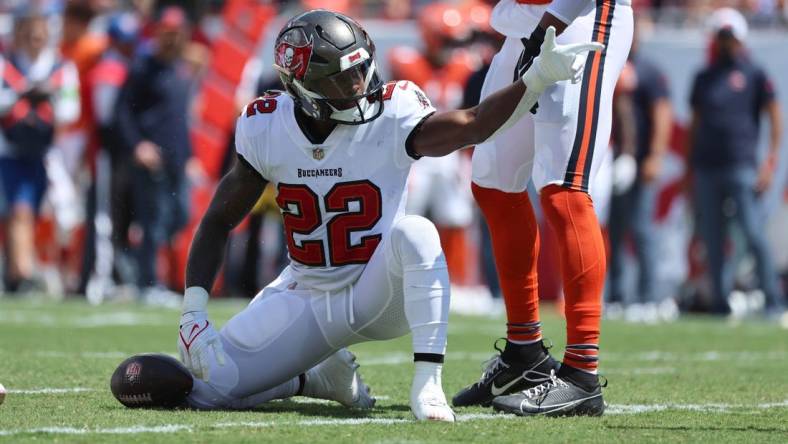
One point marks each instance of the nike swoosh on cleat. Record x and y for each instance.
(496, 391)
(556, 407)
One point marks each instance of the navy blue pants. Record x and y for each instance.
(632, 212)
(715, 191)
(22, 182)
(161, 203)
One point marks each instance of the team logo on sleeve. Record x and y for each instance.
(423, 100)
(294, 59)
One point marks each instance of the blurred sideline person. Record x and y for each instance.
(39, 95)
(110, 194)
(338, 145)
(561, 147)
(83, 48)
(439, 187)
(633, 208)
(728, 97)
(152, 122)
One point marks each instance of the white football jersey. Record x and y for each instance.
(339, 198)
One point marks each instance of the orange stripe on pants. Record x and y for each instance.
(602, 30)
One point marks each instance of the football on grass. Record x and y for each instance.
(151, 380)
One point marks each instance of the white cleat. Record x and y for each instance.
(427, 400)
(337, 379)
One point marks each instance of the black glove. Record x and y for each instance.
(531, 47)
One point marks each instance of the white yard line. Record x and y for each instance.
(404, 358)
(50, 391)
(629, 409)
(94, 320)
(168, 428)
(615, 409)
(706, 356)
(399, 358)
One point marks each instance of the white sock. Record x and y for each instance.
(427, 375)
(427, 307)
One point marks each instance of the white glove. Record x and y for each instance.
(556, 63)
(197, 339)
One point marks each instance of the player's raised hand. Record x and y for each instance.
(198, 342)
(556, 63)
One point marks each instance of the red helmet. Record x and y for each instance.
(443, 25)
(477, 14)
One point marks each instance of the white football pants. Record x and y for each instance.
(565, 143)
(287, 330)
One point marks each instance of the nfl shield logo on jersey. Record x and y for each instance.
(318, 153)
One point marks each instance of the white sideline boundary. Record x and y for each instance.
(615, 409)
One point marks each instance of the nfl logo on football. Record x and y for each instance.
(133, 372)
(318, 153)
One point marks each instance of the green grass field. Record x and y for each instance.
(698, 380)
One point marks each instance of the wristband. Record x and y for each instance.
(195, 299)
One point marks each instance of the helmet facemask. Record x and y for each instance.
(351, 96)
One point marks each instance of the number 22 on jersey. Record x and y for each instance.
(301, 215)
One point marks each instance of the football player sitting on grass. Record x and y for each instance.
(338, 144)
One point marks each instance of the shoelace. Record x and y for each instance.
(540, 377)
(541, 390)
(491, 366)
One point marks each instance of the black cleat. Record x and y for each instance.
(555, 397)
(507, 372)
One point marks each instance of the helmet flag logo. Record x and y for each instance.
(294, 59)
(326, 63)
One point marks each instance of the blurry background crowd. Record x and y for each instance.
(116, 120)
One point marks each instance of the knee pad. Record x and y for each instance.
(415, 245)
